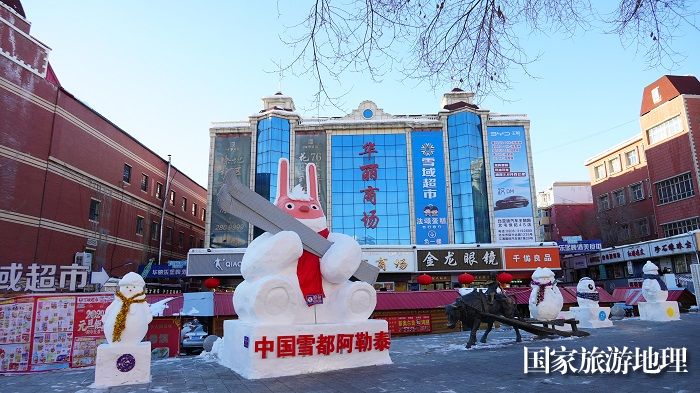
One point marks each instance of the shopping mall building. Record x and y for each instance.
(459, 180)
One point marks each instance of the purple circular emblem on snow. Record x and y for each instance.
(126, 362)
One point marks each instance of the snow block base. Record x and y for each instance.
(591, 317)
(659, 311)
(265, 351)
(122, 364)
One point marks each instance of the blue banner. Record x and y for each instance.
(173, 270)
(580, 247)
(511, 193)
(429, 187)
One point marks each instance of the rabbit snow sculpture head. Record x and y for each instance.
(304, 206)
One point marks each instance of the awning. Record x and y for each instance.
(605, 297)
(223, 304)
(415, 300)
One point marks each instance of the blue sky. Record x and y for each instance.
(164, 70)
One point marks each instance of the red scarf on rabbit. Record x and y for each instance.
(309, 275)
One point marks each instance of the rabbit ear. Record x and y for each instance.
(282, 178)
(311, 181)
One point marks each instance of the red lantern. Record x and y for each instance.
(465, 278)
(211, 282)
(425, 279)
(504, 278)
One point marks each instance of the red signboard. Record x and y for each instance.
(409, 324)
(531, 258)
(164, 333)
(87, 333)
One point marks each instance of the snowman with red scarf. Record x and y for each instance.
(284, 284)
(546, 301)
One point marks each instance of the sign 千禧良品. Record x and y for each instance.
(530, 258)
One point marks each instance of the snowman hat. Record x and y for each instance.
(585, 279)
(650, 268)
(541, 273)
(132, 278)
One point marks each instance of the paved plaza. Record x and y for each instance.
(429, 363)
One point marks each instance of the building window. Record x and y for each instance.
(680, 227)
(126, 176)
(600, 171)
(615, 165)
(155, 226)
(655, 95)
(631, 157)
(144, 182)
(172, 198)
(204, 214)
(194, 209)
(603, 203)
(159, 190)
(168, 235)
(624, 232)
(681, 264)
(675, 188)
(201, 243)
(94, 214)
(642, 227)
(637, 191)
(619, 196)
(181, 239)
(184, 204)
(139, 225)
(664, 130)
(191, 241)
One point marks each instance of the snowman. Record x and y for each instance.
(126, 319)
(546, 300)
(586, 293)
(653, 288)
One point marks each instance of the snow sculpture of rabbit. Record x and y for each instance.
(285, 284)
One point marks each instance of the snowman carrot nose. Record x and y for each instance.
(304, 208)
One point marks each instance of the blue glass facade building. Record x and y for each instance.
(394, 180)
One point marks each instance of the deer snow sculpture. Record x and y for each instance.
(284, 284)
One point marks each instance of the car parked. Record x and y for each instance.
(512, 202)
(193, 340)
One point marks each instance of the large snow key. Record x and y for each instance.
(240, 201)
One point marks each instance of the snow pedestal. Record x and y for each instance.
(122, 364)
(659, 311)
(256, 350)
(591, 317)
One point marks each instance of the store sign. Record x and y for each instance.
(669, 246)
(428, 187)
(370, 173)
(611, 256)
(459, 259)
(164, 335)
(167, 271)
(391, 261)
(203, 263)
(42, 278)
(594, 259)
(579, 247)
(510, 190)
(638, 251)
(311, 148)
(531, 258)
(408, 324)
(577, 262)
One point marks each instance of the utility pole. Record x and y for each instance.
(166, 196)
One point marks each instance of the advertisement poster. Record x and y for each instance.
(511, 191)
(53, 332)
(231, 153)
(408, 324)
(88, 332)
(15, 331)
(311, 148)
(428, 189)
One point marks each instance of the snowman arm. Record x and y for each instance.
(109, 310)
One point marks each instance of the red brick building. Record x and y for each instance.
(72, 181)
(566, 209)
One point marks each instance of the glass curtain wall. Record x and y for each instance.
(369, 177)
(468, 179)
(272, 144)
